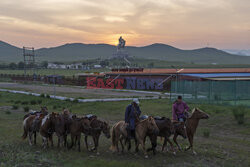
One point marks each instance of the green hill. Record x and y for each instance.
(78, 51)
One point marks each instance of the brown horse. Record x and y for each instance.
(118, 134)
(191, 125)
(47, 129)
(179, 129)
(166, 128)
(97, 126)
(59, 123)
(142, 129)
(31, 125)
(78, 126)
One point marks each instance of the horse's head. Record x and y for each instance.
(198, 114)
(152, 125)
(44, 110)
(180, 129)
(106, 129)
(85, 123)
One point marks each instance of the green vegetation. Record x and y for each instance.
(227, 144)
(239, 114)
(26, 109)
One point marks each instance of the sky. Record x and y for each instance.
(186, 24)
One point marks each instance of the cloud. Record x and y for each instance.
(184, 23)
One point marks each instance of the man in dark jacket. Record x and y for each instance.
(131, 116)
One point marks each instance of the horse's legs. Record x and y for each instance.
(86, 142)
(58, 141)
(51, 140)
(164, 144)
(72, 141)
(136, 146)
(35, 138)
(171, 145)
(65, 140)
(97, 143)
(30, 138)
(79, 142)
(175, 141)
(190, 139)
(121, 141)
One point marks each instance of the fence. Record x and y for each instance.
(229, 92)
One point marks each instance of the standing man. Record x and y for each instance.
(180, 110)
(131, 116)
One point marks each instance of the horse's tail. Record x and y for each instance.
(25, 133)
(113, 138)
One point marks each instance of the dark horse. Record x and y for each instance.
(97, 126)
(166, 129)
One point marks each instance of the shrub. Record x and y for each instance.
(7, 112)
(42, 95)
(33, 102)
(25, 103)
(15, 107)
(54, 107)
(206, 132)
(26, 109)
(67, 99)
(39, 101)
(47, 96)
(17, 102)
(239, 114)
(75, 101)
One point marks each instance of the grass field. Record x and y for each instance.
(227, 145)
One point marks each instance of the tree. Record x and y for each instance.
(44, 64)
(151, 65)
(12, 66)
(20, 65)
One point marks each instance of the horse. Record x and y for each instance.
(166, 128)
(31, 125)
(59, 122)
(191, 125)
(142, 129)
(78, 126)
(47, 129)
(179, 129)
(118, 134)
(97, 126)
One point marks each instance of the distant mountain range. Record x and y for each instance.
(79, 51)
(238, 52)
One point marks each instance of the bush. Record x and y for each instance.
(75, 101)
(42, 95)
(33, 102)
(206, 132)
(39, 101)
(17, 102)
(67, 99)
(7, 112)
(15, 107)
(239, 114)
(25, 103)
(54, 107)
(26, 109)
(47, 96)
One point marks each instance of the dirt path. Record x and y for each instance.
(75, 91)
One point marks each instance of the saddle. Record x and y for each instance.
(159, 118)
(91, 117)
(143, 117)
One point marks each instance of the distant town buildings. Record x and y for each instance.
(73, 66)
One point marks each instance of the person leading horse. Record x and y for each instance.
(131, 116)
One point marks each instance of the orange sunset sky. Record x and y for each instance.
(186, 24)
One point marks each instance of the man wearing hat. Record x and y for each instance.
(131, 116)
(180, 110)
